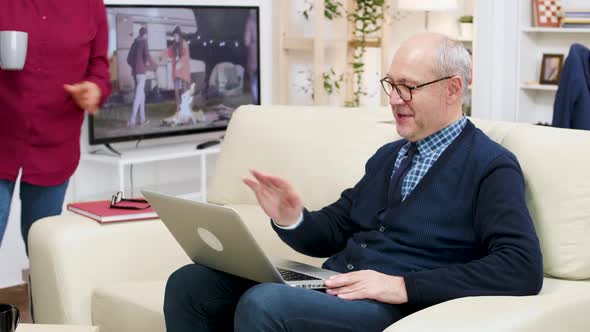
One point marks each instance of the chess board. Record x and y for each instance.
(547, 13)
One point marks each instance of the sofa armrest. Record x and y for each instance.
(71, 255)
(562, 305)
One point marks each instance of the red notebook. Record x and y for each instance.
(101, 211)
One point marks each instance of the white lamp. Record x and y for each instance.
(427, 6)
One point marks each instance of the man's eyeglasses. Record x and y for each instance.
(118, 198)
(404, 91)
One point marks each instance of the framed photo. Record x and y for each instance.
(551, 68)
(546, 13)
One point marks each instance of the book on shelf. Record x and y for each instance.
(577, 20)
(577, 14)
(103, 213)
(576, 25)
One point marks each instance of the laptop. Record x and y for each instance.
(217, 237)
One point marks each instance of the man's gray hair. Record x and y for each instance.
(454, 60)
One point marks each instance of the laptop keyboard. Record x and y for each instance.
(289, 275)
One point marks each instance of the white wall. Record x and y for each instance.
(496, 63)
(91, 178)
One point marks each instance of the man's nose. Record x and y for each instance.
(395, 99)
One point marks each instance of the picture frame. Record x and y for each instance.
(546, 13)
(551, 66)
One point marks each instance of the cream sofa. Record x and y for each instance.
(114, 275)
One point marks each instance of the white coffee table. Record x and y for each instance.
(55, 328)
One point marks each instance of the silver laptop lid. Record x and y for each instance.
(214, 236)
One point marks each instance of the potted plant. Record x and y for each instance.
(466, 26)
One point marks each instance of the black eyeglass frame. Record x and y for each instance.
(410, 88)
(118, 198)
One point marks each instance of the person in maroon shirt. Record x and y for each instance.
(42, 106)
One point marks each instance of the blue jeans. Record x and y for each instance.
(201, 299)
(37, 202)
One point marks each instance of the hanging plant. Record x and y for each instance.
(367, 20)
(305, 82)
(332, 9)
(332, 82)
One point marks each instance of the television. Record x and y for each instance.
(177, 70)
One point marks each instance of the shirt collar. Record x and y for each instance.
(441, 139)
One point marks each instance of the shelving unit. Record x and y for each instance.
(315, 44)
(534, 102)
(554, 30)
(538, 87)
(465, 41)
(318, 45)
(468, 99)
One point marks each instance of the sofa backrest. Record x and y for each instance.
(556, 166)
(322, 151)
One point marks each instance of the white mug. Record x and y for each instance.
(13, 49)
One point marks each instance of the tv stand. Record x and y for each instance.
(122, 161)
(110, 148)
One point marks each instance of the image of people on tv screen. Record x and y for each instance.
(179, 54)
(140, 61)
(178, 69)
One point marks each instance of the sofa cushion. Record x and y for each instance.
(495, 130)
(555, 163)
(55, 328)
(562, 305)
(129, 307)
(285, 141)
(70, 255)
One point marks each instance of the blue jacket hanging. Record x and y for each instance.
(572, 102)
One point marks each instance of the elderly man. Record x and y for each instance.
(438, 215)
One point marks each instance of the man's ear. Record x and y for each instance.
(454, 89)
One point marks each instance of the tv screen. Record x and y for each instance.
(177, 70)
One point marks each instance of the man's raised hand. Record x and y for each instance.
(277, 197)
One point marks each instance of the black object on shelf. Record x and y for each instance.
(207, 144)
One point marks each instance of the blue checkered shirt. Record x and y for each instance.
(429, 149)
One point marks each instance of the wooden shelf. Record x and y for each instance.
(555, 30)
(538, 87)
(298, 44)
(306, 43)
(463, 39)
(371, 42)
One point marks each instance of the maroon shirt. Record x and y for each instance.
(40, 123)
